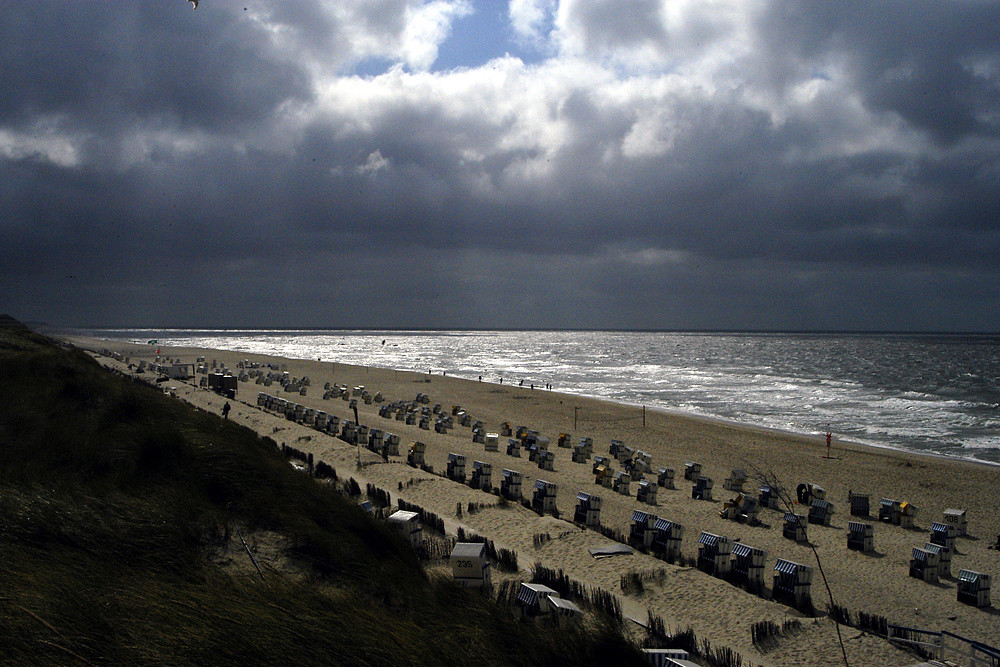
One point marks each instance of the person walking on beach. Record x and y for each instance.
(225, 410)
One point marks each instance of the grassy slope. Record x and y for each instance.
(112, 496)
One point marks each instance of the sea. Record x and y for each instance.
(928, 393)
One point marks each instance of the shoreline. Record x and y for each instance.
(678, 412)
(685, 596)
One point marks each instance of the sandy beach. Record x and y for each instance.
(876, 583)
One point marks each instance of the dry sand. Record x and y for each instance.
(875, 583)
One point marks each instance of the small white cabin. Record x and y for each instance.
(408, 525)
(469, 564)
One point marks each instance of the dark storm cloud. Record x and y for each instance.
(105, 65)
(779, 169)
(933, 63)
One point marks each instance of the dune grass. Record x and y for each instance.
(113, 499)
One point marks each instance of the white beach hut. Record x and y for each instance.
(469, 564)
(408, 525)
(957, 520)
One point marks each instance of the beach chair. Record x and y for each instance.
(535, 599)
(974, 588)
(714, 552)
(514, 448)
(667, 541)
(376, 440)
(792, 582)
(470, 566)
(820, 512)
(391, 447)
(748, 566)
(622, 481)
(482, 476)
(806, 492)
(616, 448)
(859, 503)
(735, 480)
(943, 535)
(944, 558)
(642, 530)
(415, 454)
(692, 470)
(456, 467)
(889, 511)
(794, 527)
(408, 525)
(957, 520)
(665, 478)
(768, 497)
(924, 565)
(510, 484)
(860, 536)
(646, 493)
(588, 509)
(543, 499)
(702, 489)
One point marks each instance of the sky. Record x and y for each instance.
(610, 164)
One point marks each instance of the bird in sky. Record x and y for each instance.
(194, 4)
